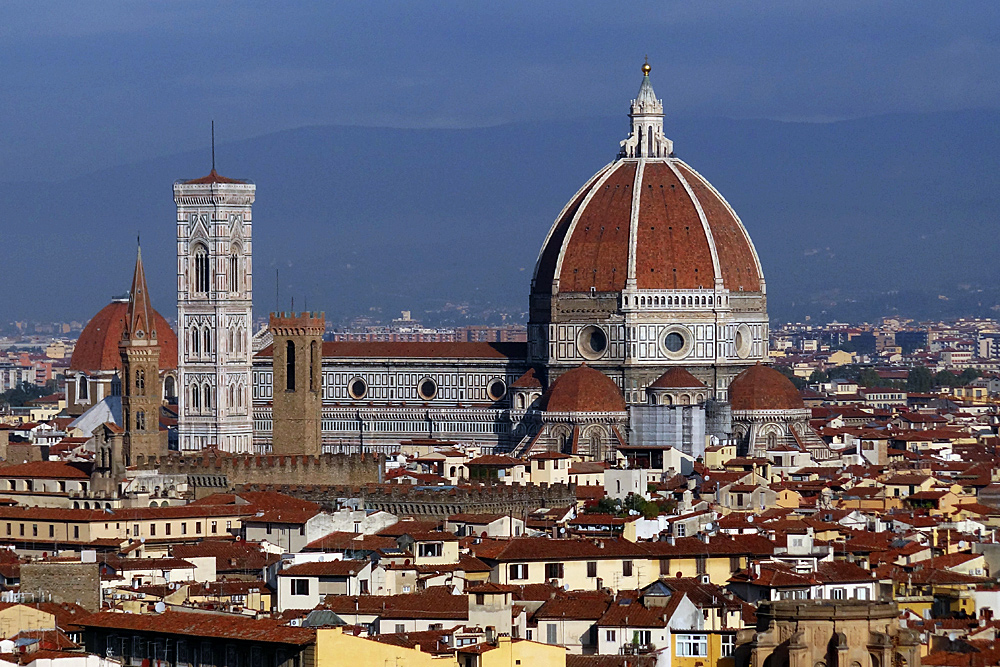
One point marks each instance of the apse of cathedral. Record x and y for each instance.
(647, 337)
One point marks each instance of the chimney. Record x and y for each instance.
(670, 540)
(704, 537)
(491, 635)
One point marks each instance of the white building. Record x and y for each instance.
(214, 312)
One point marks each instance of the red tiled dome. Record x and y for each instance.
(686, 234)
(677, 378)
(763, 388)
(97, 347)
(584, 389)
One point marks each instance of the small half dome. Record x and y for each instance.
(584, 389)
(677, 378)
(763, 388)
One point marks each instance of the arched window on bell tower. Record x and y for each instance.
(140, 382)
(289, 366)
(234, 271)
(201, 273)
(313, 363)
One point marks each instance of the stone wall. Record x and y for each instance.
(78, 583)
(240, 470)
(435, 502)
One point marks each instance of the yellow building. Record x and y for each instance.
(588, 564)
(15, 618)
(692, 648)
(717, 455)
(336, 649)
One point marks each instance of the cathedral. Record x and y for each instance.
(647, 330)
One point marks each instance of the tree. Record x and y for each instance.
(946, 379)
(818, 376)
(920, 380)
(967, 376)
(869, 378)
(606, 505)
(21, 394)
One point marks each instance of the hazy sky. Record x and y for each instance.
(92, 84)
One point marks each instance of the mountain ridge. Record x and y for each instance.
(858, 211)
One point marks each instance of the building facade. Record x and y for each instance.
(646, 269)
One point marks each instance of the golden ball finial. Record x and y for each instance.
(646, 67)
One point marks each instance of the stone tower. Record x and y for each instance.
(298, 382)
(140, 353)
(214, 312)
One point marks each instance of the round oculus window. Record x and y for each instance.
(675, 342)
(743, 341)
(496, 390)
(427, 389)
(592, 342)
(357, 388)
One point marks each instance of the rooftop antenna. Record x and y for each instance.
(213, 145)
(277, 289)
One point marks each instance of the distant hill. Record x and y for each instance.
(851, 219)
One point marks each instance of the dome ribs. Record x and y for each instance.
(549, 257)
(736, 255)
(672, 249)
(596, 254)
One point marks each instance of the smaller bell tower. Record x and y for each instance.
(140, 354)
(298, 383)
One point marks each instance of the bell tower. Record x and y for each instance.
(298, 383)
(140, 353)
(214, 312)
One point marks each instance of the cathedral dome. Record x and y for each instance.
(763, 388)
(650, 218)
(677, 378)
(97, 347)
(584, 389)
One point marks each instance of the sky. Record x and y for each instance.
(92, 85)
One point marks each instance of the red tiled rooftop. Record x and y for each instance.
(584, 389)
(204, 625)
(97, 347)
(421, 350)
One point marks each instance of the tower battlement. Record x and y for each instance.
(297, 324)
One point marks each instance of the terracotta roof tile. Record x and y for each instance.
(204, 625)
(584, 389)
(97, 347)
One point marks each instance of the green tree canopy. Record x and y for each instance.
(920, 380)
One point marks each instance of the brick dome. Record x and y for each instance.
(763, 388)
(677, 378)
(685, 236)
(649, 220)
(584, 389)
(97, 347)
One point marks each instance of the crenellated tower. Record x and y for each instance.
(214, 312)
(298, 382)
